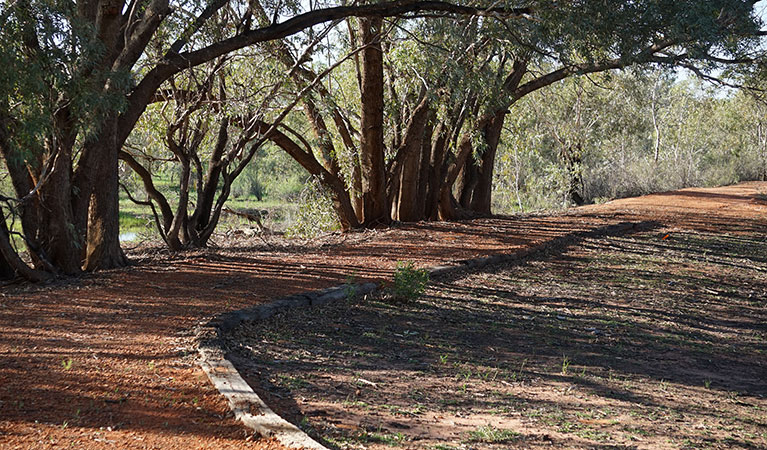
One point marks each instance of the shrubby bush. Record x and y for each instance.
(315, 212)
(408, 282)
(634, 133)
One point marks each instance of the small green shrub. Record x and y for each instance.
(350, 286)
(409, 283)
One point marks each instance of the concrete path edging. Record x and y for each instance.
(246, 405)
(253, 412)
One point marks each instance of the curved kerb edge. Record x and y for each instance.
(251, 410)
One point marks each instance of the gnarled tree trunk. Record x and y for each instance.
(477, 181)
(103, 249)
(412, 148)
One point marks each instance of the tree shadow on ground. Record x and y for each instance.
(663, 334)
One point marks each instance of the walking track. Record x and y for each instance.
(105, 361)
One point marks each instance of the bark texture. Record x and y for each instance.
(372, 150)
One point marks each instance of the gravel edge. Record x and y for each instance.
(253, 412)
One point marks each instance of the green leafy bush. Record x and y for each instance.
(315, 214)
(409, 283)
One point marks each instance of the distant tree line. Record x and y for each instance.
(626, 134)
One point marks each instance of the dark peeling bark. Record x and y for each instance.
(6, 271)
(58, 235)
(423, 166)
(468, 177)
(412, 147)
(11, 265)
(28, 210)
(476, 191)
(200, 225)
(436, 170)
(448, 206)
(103, 237)
(372, 165)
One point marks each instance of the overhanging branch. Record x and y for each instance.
(175, 62)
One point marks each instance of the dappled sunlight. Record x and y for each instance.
(118, 346)
(614, 342)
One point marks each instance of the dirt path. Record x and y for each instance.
(614, 341)
(106, 360)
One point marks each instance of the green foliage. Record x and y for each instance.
(350, 286)
(636, 132)
(272, 175)
(315, 213)
(408, 283)
(48, 63)
(565, 364)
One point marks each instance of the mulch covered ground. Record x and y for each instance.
(106, 360)
(652, 340)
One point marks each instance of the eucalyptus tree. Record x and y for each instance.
(590, 37)
(192, 121)
(80, 74)
(746, 119)
(708, 137)
(433, 154)
(370, 153)
(207, 123)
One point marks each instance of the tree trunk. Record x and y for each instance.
(572, 159)
(468, 178)
(11, 265)
(154, 194)
(423, 171)
(328, 153)
(6, 271)
(201, 220)
(103, 238)
(448, 207)
(476, 185)
(338, 193)
(372, 164)
(483, 190)
(356, 194)
(20, 174)
(412, 147)
(59, 238)
(436, 171)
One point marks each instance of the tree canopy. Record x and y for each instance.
(404, 102)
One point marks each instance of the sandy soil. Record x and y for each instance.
(106, 360)
(654, 340)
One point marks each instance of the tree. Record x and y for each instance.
(442, 131)
(87, 70)
(709, 137)
(579, 39)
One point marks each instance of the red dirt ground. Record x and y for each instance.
(106, 360)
